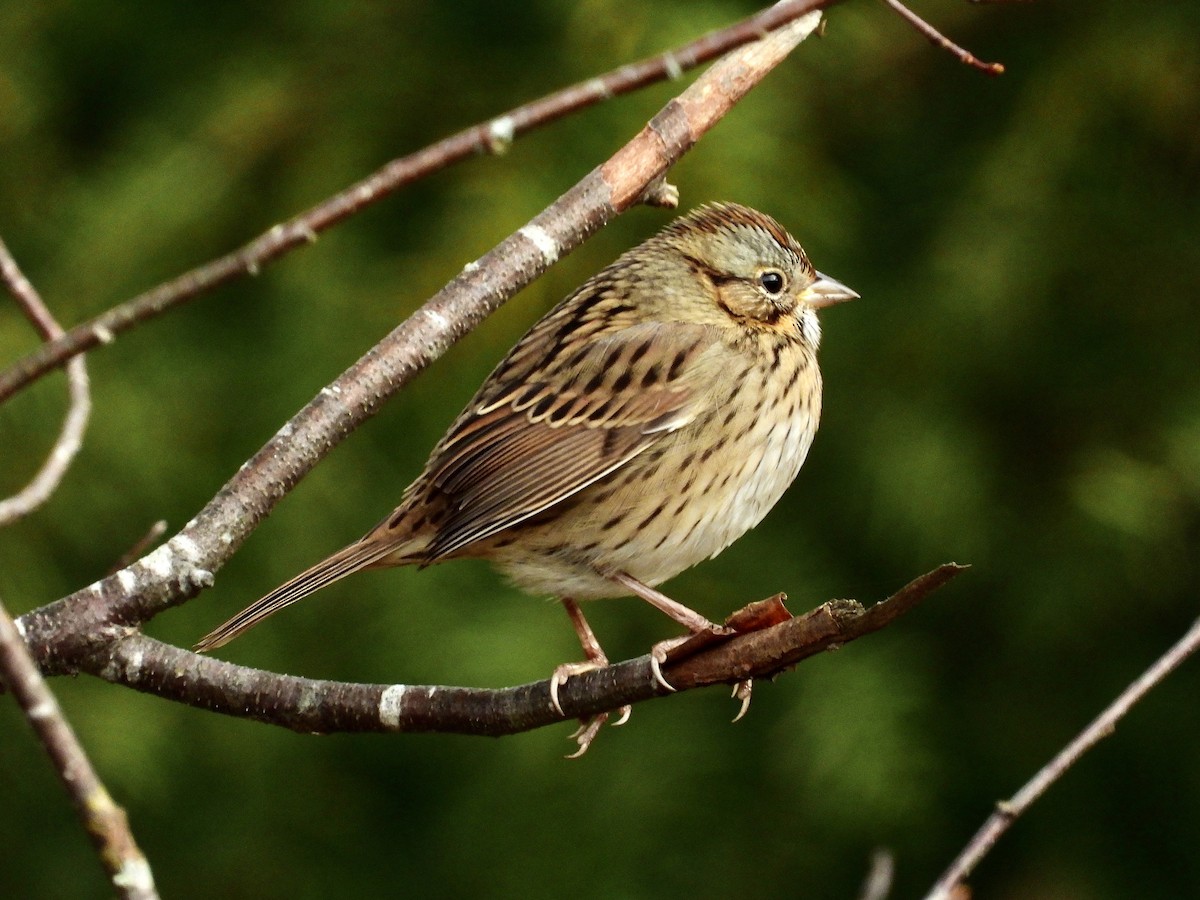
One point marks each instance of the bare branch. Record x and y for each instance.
(491, 137)
(70, 438)
(1008, 811)
(77, 626)
(103, 820)
(938, 39)
(311, 706)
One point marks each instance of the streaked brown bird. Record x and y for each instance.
(643, 425)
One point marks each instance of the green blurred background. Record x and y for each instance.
(1019, 388)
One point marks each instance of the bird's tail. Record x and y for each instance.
(345, 562)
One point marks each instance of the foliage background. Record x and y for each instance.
(1018, 389)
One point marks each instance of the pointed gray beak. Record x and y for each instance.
(826, 291)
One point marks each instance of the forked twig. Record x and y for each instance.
(1008, 811)
(70, 437)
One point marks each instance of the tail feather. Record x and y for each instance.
(345, 562)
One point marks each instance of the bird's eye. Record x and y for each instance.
(772, 281)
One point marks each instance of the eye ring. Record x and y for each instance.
(772, 281)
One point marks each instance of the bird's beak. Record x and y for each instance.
(826, 291)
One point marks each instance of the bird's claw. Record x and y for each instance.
(589, 728)
(656, 671)
(586, 733)
(566, 671)
(742, 691)
(658, 656)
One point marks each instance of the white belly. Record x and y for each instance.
(770, 459)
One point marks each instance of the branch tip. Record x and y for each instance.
(938, 39)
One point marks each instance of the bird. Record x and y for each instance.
(641, 426)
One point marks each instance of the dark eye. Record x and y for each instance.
(772, 281)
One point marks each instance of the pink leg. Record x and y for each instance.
(587, 637)
(596, 659)
(688, 618)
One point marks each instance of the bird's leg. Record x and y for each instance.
(693, 621)
(596, 659)
(688, 618)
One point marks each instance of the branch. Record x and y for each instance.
(491, 137)
(103, 820)
(1008, 811)
(321, 707)
(64, 633)
(938, 39)
(70, 438)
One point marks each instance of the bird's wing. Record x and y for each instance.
(524, 444)
(535, 438)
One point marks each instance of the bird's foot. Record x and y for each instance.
(569, 670)
(590, 727)
(596, 659)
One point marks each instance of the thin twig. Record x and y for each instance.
(940, 40)
(492, 137)
(1008, 811)
(64, 633)
(103, 820)
(144, 543)
(70, 438)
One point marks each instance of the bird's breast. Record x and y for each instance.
(690, 496)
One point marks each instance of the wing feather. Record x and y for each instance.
(527, 446)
